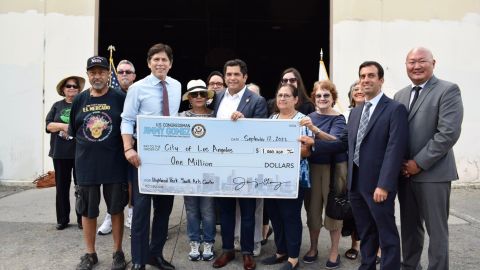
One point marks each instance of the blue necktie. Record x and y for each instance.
(361, 132)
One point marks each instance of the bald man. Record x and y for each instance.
(435, 120)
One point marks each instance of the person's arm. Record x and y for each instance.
(318, 133)
(396, 149)
(127, 127)
(52, 126)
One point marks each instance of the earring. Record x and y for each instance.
(190, 105)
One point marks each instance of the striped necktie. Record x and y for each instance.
(361, 132)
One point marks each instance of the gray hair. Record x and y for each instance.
(127, 63)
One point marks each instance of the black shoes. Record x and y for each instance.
(270, 231)
(119, 262)
(161, 263)
(274, 259)
(61, 226)
(87, 261)
(137, 267)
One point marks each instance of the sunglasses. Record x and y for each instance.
(201, 94)
(325, 96)
(289, 80)
(74, 86)
(128, 72)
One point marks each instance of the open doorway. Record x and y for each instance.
(268, 35)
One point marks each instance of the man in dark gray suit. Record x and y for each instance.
(435, 120)
(236, 102)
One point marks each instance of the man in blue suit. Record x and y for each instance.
(376, 137)
(236, 102)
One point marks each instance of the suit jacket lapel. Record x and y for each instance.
(218, 100)
(245, 100)
(423, 94)
(356, 114)
(377, 112)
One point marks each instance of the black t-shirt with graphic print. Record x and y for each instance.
(59, 147)
(95, 123)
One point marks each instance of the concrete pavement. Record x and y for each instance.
(29, 240)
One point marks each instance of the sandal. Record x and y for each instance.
(351, 254)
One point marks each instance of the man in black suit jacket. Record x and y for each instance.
(236, 102)
(375, 155)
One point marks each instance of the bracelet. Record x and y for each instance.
(128, 150)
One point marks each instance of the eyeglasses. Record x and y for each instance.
(128, 72)
(287, 80)
(325, 96)
(74, 86)
(285, 96)
(219, 84)
(201, 94)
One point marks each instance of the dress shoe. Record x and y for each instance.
(137, 266)
(61, 226)
(161, 263)
(224, 259)
(248, 262)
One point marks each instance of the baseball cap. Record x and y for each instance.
(97, 61)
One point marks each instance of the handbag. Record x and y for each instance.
(338, 205)
(45, 180)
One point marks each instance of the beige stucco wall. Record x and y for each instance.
(385, 31)
(41, 42)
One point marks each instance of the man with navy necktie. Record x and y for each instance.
(435, 121)
(156, 94)
(376, 139)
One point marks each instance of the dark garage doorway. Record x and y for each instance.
(268, 35)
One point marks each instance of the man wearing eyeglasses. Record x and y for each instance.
(99, 160)
(435, 121)
(126, 75)
(156, 94)
(236, 102)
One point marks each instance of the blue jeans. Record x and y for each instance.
(200, 211)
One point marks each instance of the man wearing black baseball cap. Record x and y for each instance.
(99, 159)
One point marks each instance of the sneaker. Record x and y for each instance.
(257, 249)
(333, 265)
(87, 261)
(119, 262)
(128, 220)
(236, 244)
(194, 254)
(106, 226)
(208, 253)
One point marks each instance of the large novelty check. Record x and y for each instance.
(216, 157)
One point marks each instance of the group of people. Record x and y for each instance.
(381, 147)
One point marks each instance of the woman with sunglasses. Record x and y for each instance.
(200, 210)
(285, 214)
(322, 168)
(292, 76)
(62, 147)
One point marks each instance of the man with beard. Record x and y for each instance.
(99, 160)
(126, 75)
